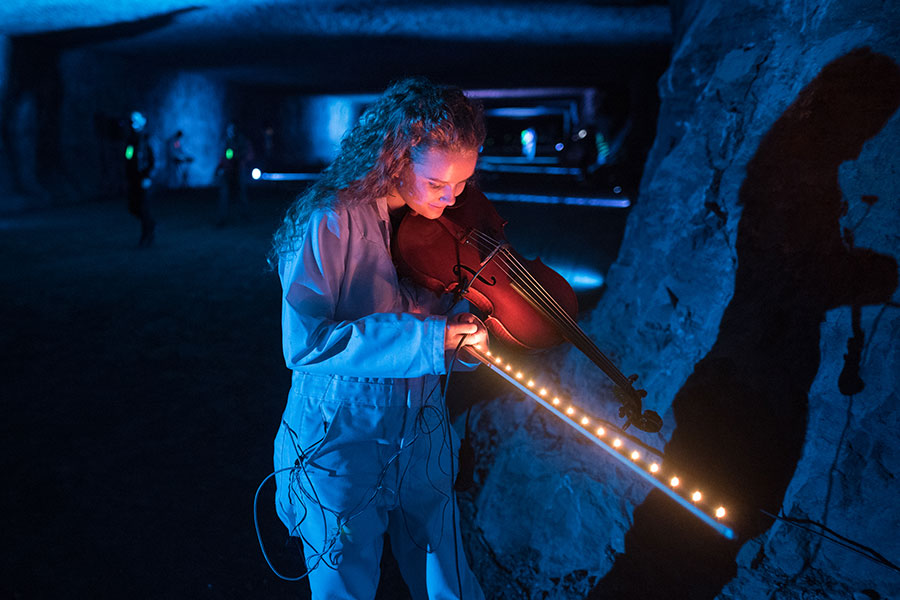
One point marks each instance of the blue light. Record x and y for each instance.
(581, 278)
(538, 168)
(569, 200)
(559, 147)
(529, 142)
(602, 148)
(255, 173)
(138, 121)
(289, 176)
(194, 104)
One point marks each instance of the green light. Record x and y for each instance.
(229, 153)
(602, 146)
(129, 152)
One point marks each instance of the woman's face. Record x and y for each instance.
(434, 179)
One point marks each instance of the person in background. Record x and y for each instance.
(268, 147)
(139, 164)
(365, 445)
(179, 161)
(232, 173)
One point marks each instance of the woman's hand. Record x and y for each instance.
(466, 327)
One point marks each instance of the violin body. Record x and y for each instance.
(466, 250)
(527, 304)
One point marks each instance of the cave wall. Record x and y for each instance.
(101, 91)
(7, 184)
(756, 294)
(311, 127)
(66, 113)
(27, 99)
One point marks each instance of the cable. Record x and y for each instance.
(259, 534)
(303, 494)
(847, 543)
(317, 557)
(452, 477)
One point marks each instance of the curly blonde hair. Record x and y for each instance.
(412, 116)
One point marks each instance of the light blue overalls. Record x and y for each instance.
(365, 427)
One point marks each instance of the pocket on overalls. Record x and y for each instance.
(321, 427)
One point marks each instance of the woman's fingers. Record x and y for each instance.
(467, 327)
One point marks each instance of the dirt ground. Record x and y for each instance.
(142, 388)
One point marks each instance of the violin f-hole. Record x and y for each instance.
(458, 268)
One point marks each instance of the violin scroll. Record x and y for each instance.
(631, 410)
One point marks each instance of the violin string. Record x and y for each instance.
(545, 303)
(576, 334)
(537, 294)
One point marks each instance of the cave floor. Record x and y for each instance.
(143, 387)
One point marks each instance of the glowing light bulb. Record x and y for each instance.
(585, 420)
(509, 367)
(654, 468)
(530, 383)
(229, 153)
(570, 411)
(519, 375)
(674, 482)
(556, 402)
(255, 173)
(720, 512)
(635, 455)
(696, 496)
(498, 361)
(601, 432)
(617, 443)
(542, 391)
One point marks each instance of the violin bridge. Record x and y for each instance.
(492, 254)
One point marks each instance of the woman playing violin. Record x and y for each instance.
(365, 447)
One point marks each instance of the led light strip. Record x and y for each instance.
(619, 445)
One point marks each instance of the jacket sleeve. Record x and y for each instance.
(375, 345)
(421, 300)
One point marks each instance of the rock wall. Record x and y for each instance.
(100, 94)
(756, 293)
(67, 113)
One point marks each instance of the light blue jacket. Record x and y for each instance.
(361, 343)
(344, 311)
(364, 432)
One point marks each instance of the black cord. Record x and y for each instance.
(452, 476)
(847, 543)
(259, 534)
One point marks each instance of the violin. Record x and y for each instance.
(527, 305)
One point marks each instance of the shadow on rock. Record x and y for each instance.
(741, 415)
